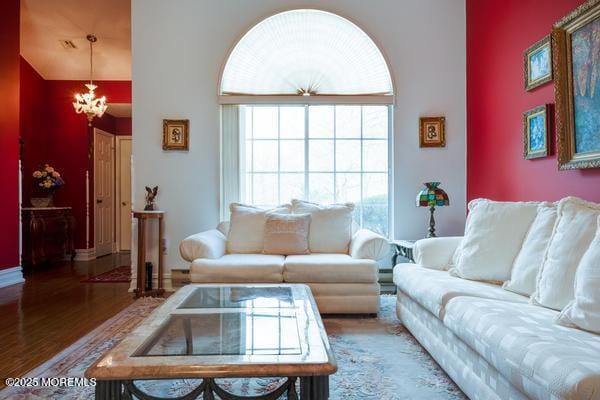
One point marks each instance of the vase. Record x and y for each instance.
(42, 202)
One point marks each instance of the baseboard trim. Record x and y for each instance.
(167, 284)
(85, 254)
(11, 276)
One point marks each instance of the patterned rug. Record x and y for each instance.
(377, 360)
(119, 274)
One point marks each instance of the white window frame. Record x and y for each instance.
(306, 172)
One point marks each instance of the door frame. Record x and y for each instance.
(98, 131)
(118, 143)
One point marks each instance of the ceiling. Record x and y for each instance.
(119, 110)
(45, 23)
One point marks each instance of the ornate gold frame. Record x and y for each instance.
(527, 56)
(442, 122)
(563, 88)
(165, 142)
(527, 154)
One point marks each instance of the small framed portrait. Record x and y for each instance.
(432, 132)
(535, 132)
(175, 134)
(538, 64)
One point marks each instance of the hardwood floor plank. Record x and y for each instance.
(53, 309)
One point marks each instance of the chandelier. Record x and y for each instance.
(87, 102)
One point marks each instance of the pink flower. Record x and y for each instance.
(37, 174)
(55, 174)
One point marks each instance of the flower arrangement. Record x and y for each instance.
(47, 179)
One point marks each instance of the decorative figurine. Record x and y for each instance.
(150, 196)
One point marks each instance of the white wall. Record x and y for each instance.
(179, 47)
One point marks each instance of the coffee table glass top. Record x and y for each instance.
(224, 330)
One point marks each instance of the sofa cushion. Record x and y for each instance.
(330, 226)
(573, 232)
(531, 256)
(433, 289)
(247, 227)
(286, 234)
(524, 345)
(329, 268)
(584, 311)
(493, 237)
(236, 268)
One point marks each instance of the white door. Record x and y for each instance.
(104, 184)
(124, 192)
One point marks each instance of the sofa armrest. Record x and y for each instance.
(208, 244)
(436, 253)
(367, 244)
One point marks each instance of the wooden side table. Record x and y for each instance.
(142, 217)
(404, 248)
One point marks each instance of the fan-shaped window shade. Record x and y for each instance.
(306, 52)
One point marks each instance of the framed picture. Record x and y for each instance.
(575, 41)
(175, 134)
(535, 132)
(538, 63)
(432, 132)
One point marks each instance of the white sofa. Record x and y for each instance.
(495, 344)
(345, 283)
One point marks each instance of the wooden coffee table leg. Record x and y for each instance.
(109, 390)
(314, 387)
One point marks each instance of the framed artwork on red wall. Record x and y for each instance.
(576, 49)
(535, 132)
(537, 64)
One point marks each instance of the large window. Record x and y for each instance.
(320, 153)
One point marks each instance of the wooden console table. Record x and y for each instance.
(142, 217)
(47, 235)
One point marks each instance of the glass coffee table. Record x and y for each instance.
(224, 331)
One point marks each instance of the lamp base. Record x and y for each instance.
(431, 233)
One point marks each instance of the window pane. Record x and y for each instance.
(265, 190)
(291, 122)
(292, 155)
(347, 188)
(321, 188)
(375, 155)
(375, 218)
(375, 120)
(248, 157)
(347, 121)
(347, 155)
(265, 155)
(292, 187)
(247, 197)
(265, 122)
(320, 121)
(375, 188)
(320, 155)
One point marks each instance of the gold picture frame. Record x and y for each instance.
(577, 143)
(537, 64)
(536, 128)
(175, 134)
(432, 132)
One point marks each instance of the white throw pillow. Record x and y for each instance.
(247, 227)
(330, 226)
(573, 232)
(530, 258)
(584, 311)
(493, 237)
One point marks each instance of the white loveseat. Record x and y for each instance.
(494, 343)
(345, 283)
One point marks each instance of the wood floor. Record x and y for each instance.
(52, 309)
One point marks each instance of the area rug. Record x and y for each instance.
(119, 274)
(378, 359)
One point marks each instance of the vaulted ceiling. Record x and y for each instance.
(45, 24)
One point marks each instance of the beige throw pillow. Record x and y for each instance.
(330, 226)
(286, 234)
(247, 227)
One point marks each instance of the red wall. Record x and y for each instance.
(60, 137)
(9, 133)
(497, 34)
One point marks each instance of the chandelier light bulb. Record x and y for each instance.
(87, 103)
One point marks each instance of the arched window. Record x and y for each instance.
(307, 99)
